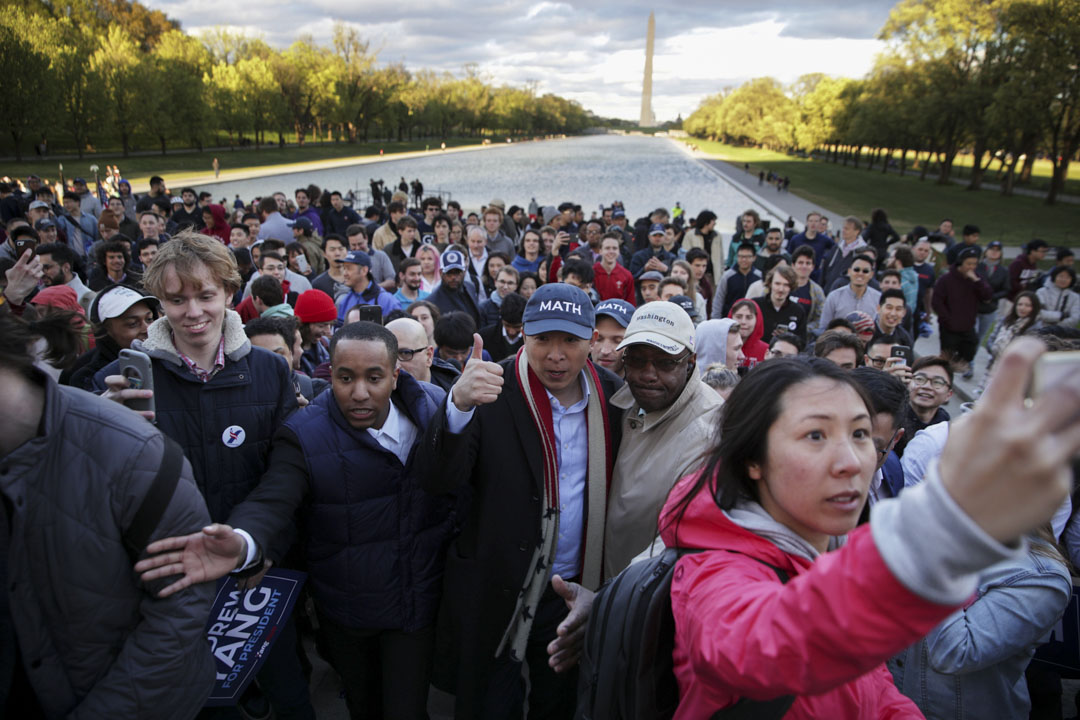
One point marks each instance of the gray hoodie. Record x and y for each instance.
(711, 341)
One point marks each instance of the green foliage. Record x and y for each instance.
(997, 78)
(94, 74)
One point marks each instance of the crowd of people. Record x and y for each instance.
(461, 424)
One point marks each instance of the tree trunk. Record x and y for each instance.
(1010, 176)
(855, 156)
(162, 139)
(17, 137)
(888, 159)
(903, 161)
(925, 165)
(1029, 165)
(125, 142)
(977, 168)
(871, 159)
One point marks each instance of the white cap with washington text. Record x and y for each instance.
(661, 324)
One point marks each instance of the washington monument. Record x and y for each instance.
(647, 117)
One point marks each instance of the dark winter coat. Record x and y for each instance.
(94, 642)
(499, 456)
(253, 392)
(375, 541)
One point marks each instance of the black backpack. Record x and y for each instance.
(627, 671)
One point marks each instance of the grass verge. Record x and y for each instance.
(909, 201)
(175, 166)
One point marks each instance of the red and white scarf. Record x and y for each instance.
(597, 482)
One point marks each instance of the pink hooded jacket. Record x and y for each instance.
(822, 637)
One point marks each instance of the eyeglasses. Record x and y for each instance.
(864, 271)
(877, 361)
(937, 383)
(406, 354)
(892, 443)
(664, 365)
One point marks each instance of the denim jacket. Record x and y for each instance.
(972, 665)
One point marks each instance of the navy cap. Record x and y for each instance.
(357, 257)
(993, 244)
(44, 223)
(619, 310)
(558, 307)
(303, 224)
(618, 212)
(657, 229)
(685, 303)
(78, 181)
(452, 259)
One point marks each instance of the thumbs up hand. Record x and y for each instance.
(481, 382)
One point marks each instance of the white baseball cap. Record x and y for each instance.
(114, 301)
(663, 325)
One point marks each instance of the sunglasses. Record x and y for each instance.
(664, 365)
(865, 271)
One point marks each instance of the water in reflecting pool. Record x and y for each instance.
(643, 172)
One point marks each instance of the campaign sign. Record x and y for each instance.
(1062, 651)
(243, 626)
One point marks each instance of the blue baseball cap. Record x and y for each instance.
(657, 229)
(452, 259)
(357, 257)
(558, 307)
(618, 310)
(303, 224)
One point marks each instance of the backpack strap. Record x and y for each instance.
(157, 498)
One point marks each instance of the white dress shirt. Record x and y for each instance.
(572, 449)
(397, 434)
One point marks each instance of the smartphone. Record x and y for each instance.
(902, 351)
(302, 265)
(22, 245)
(136, 367)
(1052, 369)
(368, 313)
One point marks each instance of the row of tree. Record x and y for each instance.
(90, 75)
(997, 78)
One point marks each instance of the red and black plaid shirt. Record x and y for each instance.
(205, 375)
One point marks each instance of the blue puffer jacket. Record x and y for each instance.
(376, 542)
(225, 425)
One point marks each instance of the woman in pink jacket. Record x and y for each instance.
(786, 485)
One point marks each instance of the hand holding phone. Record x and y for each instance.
(134, 386)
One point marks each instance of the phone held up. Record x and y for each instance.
(136, 367)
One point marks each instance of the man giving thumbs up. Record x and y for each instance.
(534, 436)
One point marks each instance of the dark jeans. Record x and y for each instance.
(387, 673)
(281, 679)
(960, 344)
(552, 696)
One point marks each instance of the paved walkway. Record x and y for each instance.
(780, 205)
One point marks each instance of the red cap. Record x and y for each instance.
(315, 306)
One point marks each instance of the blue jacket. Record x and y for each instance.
(370, 296)
(253, 392)
(376, 542)
(972, 665)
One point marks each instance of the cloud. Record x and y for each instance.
(591, 52)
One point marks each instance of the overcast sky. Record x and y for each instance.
(592, 52)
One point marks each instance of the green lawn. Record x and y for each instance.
(909, 201)
(174, 167)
